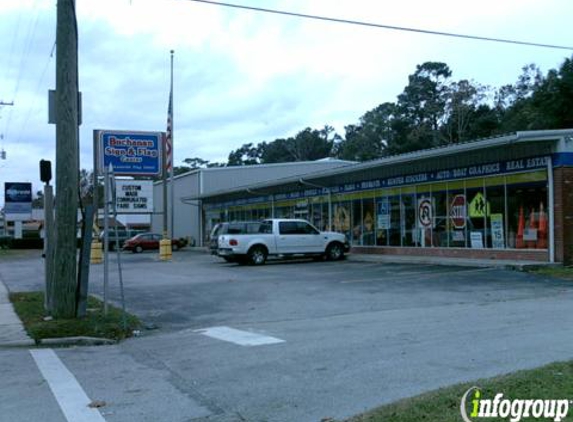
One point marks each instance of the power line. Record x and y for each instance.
(383, 26)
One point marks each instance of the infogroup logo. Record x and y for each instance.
(514, 410)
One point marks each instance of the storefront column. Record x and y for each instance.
(551, 202)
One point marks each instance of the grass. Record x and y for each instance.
(30, 308)
(556, 271)
(554, 381)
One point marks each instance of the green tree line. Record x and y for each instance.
(432, 110)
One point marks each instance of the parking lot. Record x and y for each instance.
(327, 339)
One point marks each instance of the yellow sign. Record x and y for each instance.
(479, 207)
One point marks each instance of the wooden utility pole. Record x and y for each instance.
(67, 166)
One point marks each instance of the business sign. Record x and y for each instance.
(479, 170)
(17, 201)
(130, 153)
(134, 196)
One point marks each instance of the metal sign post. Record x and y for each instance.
(105, 238)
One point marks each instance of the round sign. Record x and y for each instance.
(458, 211)
(425, 212)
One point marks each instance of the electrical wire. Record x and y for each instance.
(383, 26)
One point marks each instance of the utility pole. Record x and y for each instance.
(67, 166)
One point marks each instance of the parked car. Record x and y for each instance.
(282, 238)
(150, 241)
(122, 234)
(234, 227)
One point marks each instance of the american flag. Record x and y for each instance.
(169, 135)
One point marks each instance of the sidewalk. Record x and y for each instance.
(12, 333)
(438, 260)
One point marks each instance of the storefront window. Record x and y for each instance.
(408, 228)
(341, 218)
(357, 222)
(527, 211)
(395, 221)
(368, 223)
(382, 220)
(496, 218)
(424, 214)
(478, 210)
(457, 215)
(440, 218)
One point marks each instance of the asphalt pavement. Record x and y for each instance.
(292, 341)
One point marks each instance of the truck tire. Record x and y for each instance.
(335, 251)
(257, 255)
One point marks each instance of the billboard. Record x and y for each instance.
(134, 196)
(130, 153)
(17, 201)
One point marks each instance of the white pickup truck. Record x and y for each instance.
(283, 238)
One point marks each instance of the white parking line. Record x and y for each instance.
(242, 338)
(68, 392)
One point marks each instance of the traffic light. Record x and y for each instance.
(45, 171)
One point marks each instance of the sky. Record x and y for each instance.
(243, 76)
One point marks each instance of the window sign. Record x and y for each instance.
(425, 213)
(383, 215)
(497, 237)
(458, 212)
(476, 240)
(479, 207)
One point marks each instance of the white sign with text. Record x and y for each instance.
(134, 196)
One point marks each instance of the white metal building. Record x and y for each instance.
(187, 215)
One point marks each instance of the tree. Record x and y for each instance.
(371, 137)
(463, 99)
(421, 108)
(246, 155)
(194, 163)
(38, 201)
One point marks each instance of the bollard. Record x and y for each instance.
(165, 253)
(96, 256)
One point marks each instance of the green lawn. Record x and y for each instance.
(556, 271)
(554, 381)
(30, 308)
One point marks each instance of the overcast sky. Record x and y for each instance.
(243, 76)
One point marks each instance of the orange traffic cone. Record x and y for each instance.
(542, 231)
(520, 227)
(533, 226)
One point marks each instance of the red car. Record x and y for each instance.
(148, 241)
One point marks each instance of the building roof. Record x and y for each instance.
(323, 161)
(410, 157)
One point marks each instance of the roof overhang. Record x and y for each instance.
(315, 178)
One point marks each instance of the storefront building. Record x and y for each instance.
(507, 197)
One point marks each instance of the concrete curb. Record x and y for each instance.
(461, 262)
(76, 341)
(17, 344)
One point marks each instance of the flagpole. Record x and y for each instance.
(172, 162)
